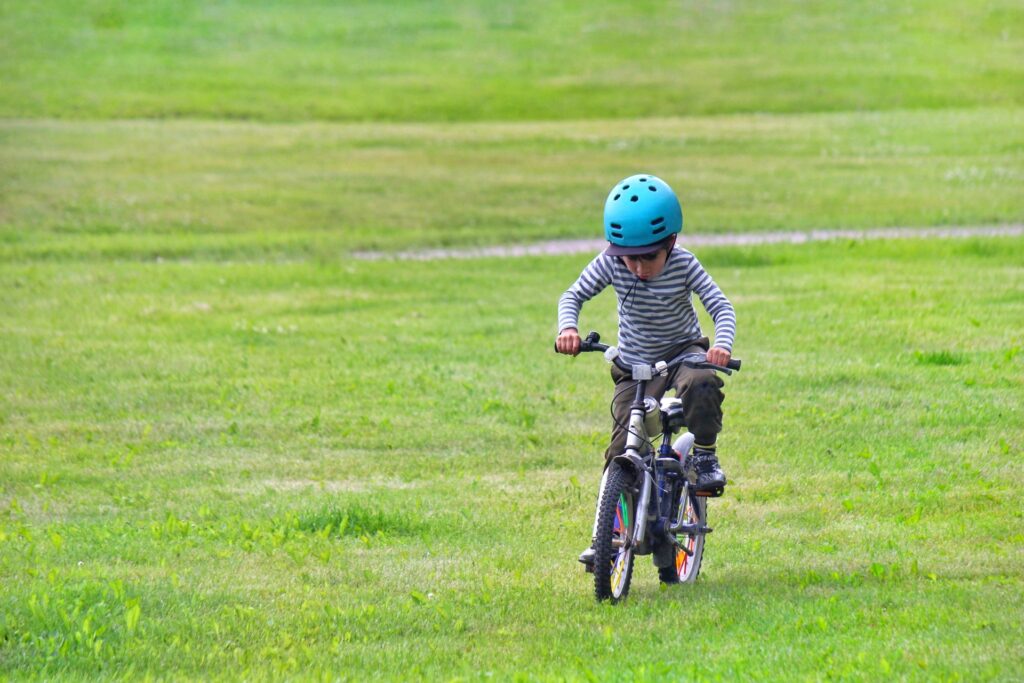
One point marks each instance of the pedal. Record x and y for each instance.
(586, 558)
(711, 493)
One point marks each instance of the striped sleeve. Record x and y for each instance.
(594, 278)
(715, 303)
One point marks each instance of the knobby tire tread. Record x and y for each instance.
(618, 482)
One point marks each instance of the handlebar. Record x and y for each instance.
(592, 342)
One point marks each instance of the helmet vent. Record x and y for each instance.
(643, 180)
(659, 219)
(616, 226)
(617, 235)
(657, 231)
(616, 197)
(652, 188)
(625, 187)
(634, 198)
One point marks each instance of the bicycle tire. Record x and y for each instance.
(686, 566)
(613, 551)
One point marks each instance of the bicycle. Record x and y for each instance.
(662, 485)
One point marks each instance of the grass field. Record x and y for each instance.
(257, 468)
(141, 189)
(229, 450)
(459, 60)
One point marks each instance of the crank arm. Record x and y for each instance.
(676, 543)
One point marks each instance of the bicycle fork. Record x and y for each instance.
(634, 441)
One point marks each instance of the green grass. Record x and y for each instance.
(460, 60)
(229, 450)
(147, 189)
(252, 468)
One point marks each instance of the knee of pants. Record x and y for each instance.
(703, 406)
(707, 391)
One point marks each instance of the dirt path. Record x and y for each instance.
(753, 238)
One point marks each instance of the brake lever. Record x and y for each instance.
(704, 365)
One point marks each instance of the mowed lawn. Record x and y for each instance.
(245, 467)
(231, 450)
(462, 60)
(314, 190)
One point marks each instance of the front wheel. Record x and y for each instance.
(690, 550)
(613, 546)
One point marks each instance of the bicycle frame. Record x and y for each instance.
(636, 440)
(654, 476)
(649, 476)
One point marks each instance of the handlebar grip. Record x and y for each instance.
(586, 346)
(734, 364)
(589, 343)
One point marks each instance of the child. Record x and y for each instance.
(654, 279)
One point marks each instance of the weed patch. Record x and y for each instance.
(358, 521)
(939, 358)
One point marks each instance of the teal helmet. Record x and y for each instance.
(640, 213)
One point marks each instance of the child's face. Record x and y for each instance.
(647, 266)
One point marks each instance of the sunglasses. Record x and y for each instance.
(646, 257)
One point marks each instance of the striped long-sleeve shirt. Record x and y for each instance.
(655, 316)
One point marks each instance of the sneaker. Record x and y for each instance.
(709, 474)
(587, 557)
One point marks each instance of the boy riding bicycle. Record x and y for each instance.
(654, 280)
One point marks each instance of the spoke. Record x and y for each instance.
(616, 576)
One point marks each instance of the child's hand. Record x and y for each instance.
(718, 356)
(568, 341)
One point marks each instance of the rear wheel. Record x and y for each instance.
(613, 557)
(690, 550)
